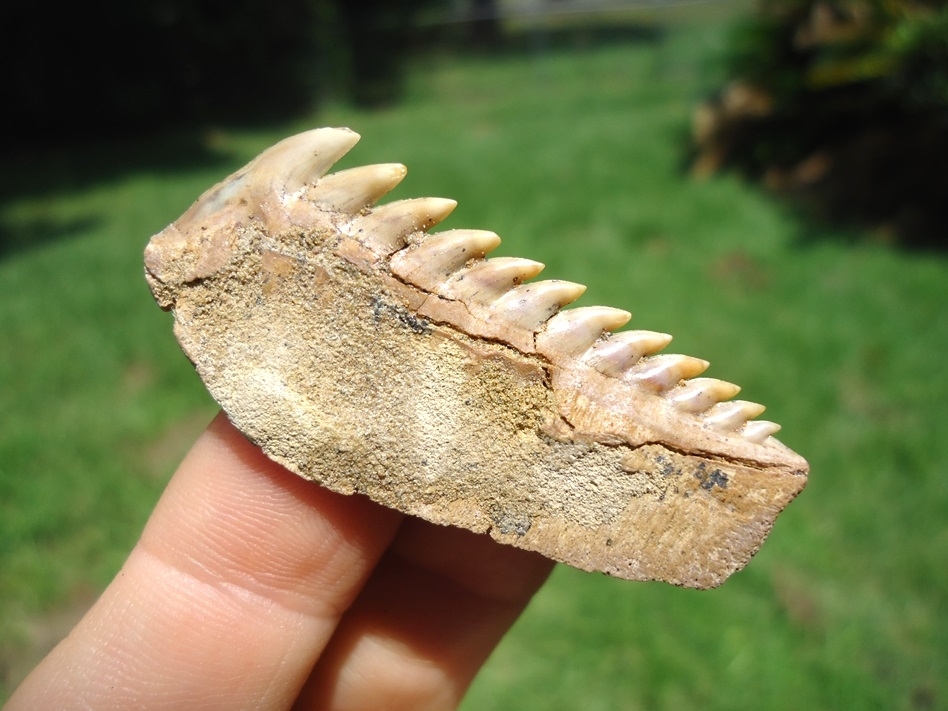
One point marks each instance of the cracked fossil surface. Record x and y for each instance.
(362, 352)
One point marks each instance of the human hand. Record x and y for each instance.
(253, 588)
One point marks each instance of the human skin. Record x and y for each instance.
(253, 588)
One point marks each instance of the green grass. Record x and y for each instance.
(574, 158)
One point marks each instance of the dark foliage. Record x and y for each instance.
(843, 106)
(80, 70)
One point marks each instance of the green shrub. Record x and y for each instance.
(843, 106)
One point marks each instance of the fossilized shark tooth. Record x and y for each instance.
(363, 353)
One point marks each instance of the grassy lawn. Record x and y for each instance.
(574, 158)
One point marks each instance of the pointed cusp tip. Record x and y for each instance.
(339, 133)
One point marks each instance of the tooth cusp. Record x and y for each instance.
(529, 306)
(431, 262)
(759, 430)
(311, 154)
(663, 372)
(616, 353)
(701, 394)
(348, 191)
(484, 282)
(732, 415)
(574, 331)
(385, 229)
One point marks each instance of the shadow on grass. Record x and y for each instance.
(19, 235)
(59, 169)
(56, 171)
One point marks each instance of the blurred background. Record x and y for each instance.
(765, 180)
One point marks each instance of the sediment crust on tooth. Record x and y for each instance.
(349, 191)
(364, 354)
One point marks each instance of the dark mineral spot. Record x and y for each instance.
(710, 479)
(403, 316)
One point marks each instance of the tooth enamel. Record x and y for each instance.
(385, 229)
(486, 281)
(759, 430)
(349, 191)
(572, 332)
(700, 394)
(529, 306)
(309, 156)
(430, 263)
(731, 415)
(663, 372)
(619, 351)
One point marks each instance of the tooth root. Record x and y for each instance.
(431, 262)
(732, 415)
(385, 229)
(700, 394)
(485, 282)
(529, 306)
(348, 191)
(302, 159)
(759, 430)
(663, 372)
(572, 332)
(615, 354)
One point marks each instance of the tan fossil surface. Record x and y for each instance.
(369, 355)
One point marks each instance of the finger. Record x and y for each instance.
(425, 622)
(231, 594)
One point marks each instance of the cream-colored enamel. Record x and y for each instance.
(663, 372)
(429, 263)
(759, 430)
(618, 352)
(486, 281)
(700, 394)
(386, 229)
(731, 415)
(529, 306)
(301, 160)
(348, 191)
(573, 332)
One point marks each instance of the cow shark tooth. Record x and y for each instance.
(363, 352)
